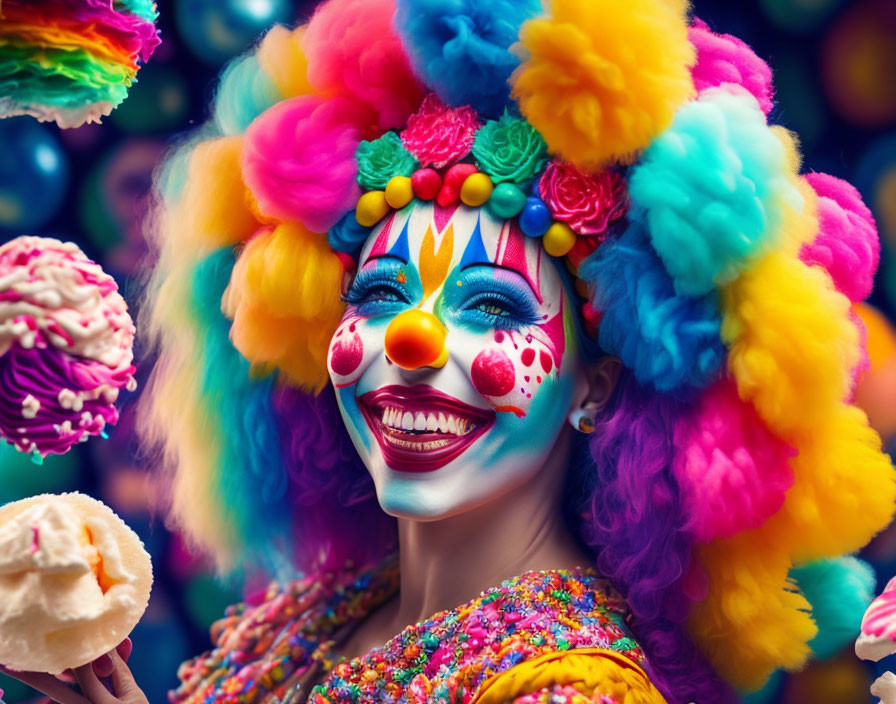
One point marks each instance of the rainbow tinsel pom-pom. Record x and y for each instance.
(71, 61)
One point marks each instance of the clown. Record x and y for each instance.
(511, 341)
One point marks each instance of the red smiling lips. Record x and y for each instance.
(420, 429)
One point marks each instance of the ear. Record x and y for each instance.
(596, 384)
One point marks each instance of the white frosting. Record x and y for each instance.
(45, 573)
(30, 407)
(59, 293)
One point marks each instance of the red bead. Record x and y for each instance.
(454, 181)
(426, 183)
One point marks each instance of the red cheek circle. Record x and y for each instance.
(527, 356)
(493, 373)
(347, 355)
(546, 362)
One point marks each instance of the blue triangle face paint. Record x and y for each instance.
(475, 251)
(401, 250)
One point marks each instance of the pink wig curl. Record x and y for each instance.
(299, 159)
(724, 59)
(847, 246)
(733, 471)
(353, 50)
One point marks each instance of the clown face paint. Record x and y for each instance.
(439, 441)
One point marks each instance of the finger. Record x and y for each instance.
(122, 679)
(92, 687)
(49, 685)
(103, 666)
(125, 648)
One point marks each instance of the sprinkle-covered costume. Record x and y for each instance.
(543, 636)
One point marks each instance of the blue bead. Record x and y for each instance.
(535, 218)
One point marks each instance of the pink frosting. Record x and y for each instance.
(734, 472)
(726, 60)
(353, 50)
(299, 159)
(438, 135)
(880, 618)
(588, 203)
(846, 246)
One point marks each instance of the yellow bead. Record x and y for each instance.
(399, 192)
(559, 239)
(477, 189)
(371, 208)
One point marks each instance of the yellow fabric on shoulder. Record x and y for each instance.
(586, 669)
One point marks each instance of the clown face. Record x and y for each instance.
(456, 362)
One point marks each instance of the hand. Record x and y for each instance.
(112, 667)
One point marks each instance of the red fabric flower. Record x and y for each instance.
(587, 203)
(438, 135)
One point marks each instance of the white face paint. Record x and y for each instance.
(441, 441)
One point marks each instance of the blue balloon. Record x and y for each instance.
(34, 175)
(217, 30)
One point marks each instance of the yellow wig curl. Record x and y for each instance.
(281, 57)
(601, 79)
(285, 305)
(753, 619)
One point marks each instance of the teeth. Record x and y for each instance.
(420, 421)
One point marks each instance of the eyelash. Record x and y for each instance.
(367, 283)
(516, 313)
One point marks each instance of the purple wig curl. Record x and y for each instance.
(634, 521)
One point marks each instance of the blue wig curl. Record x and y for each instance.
(245, 91)
(461, 47)
(839, 591)
(251, 470)
(714, 187)
(669, 341)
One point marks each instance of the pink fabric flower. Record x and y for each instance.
(587, 203)
(723, 59)
(438, 135)
(299, 159)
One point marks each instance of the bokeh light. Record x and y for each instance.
(34, 175)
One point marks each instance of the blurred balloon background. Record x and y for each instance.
(834, 62)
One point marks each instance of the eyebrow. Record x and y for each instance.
(506, 268)
(378, 257)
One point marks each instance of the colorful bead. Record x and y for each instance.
(477, 189)
(444, 658)
(454, 181)
(372, 207)
(507, 201)
(535, 218)
(426, 184)
(399, 192)
(559, 239)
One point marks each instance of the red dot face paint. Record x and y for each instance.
(528, 356)
(492, 373)
(346, 354)
(546, 362)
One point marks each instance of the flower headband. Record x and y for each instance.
(448, 155)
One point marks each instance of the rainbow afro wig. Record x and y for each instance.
(72, 62)
(730, 473)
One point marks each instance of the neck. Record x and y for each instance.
(447, 562)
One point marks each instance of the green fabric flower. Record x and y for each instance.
(510, 149)
(381, 159)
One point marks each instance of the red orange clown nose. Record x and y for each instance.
(416, 339)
